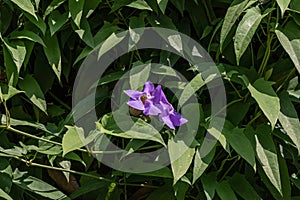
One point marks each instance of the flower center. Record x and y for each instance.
(143, 98)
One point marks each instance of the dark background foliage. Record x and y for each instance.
(255, 45)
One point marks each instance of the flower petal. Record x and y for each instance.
(150, 108)
(133, 94)
(166, 119)
(148, 87)
(137, 104)
(177, 119)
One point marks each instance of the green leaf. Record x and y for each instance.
(84, 32)
(4, 195)
(33, 91)
(225, 192)
(38, 22)
(76, 10)
(162, 4)
(289, 120)
(241, 145)
(52, 51)
(5, 176)
(246, 30)
(88, 187)
(283, 4)
(25, 34)
(8, 91)
(164, 192)
(140, 4)
(56, 21)
(105, 31)
(219, 134)
(179, 4)
(37, 186)
(25, 5)
(180, 189)
(190, 89)
(73, 139)
(90, 7)
(5, 18)
(181, 157)
(201, 163)
(14, 56)
(290, 40)
(209, 182)
(139, 75)
(16, 122)
(109, 43)
(52, 6)
(139, 130)
(285, 178)
(242, 187)
(267, 156)
(266, 98)
(233, 13)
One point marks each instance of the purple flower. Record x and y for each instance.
(142, 100)
(168, 115)
(153, 101)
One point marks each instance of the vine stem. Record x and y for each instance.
(81, 173)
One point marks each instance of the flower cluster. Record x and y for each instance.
(153, 101)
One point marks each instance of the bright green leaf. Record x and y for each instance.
(140, 4)
(266, 98)
(267, 156)
(181, 157)
(233, 13)
(14, 56)
(290, 40)
(4, 195)
(53, 5)
(25, 5)
(283, 4)
(289, 120)
(245, 31)
(201, 163)
(109, 43)
(139, 130)
(139, 75)
(162, 4)
(73, 139)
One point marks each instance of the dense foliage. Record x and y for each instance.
(256, 47)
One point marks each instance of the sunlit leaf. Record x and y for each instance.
(233, 13)
(267, 155)
(245, 31)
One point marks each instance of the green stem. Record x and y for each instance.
(9, 128)
(255, 117)
(286, 79)
(225, 107)
(60, 101)
(79, 173)
(228, 170)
